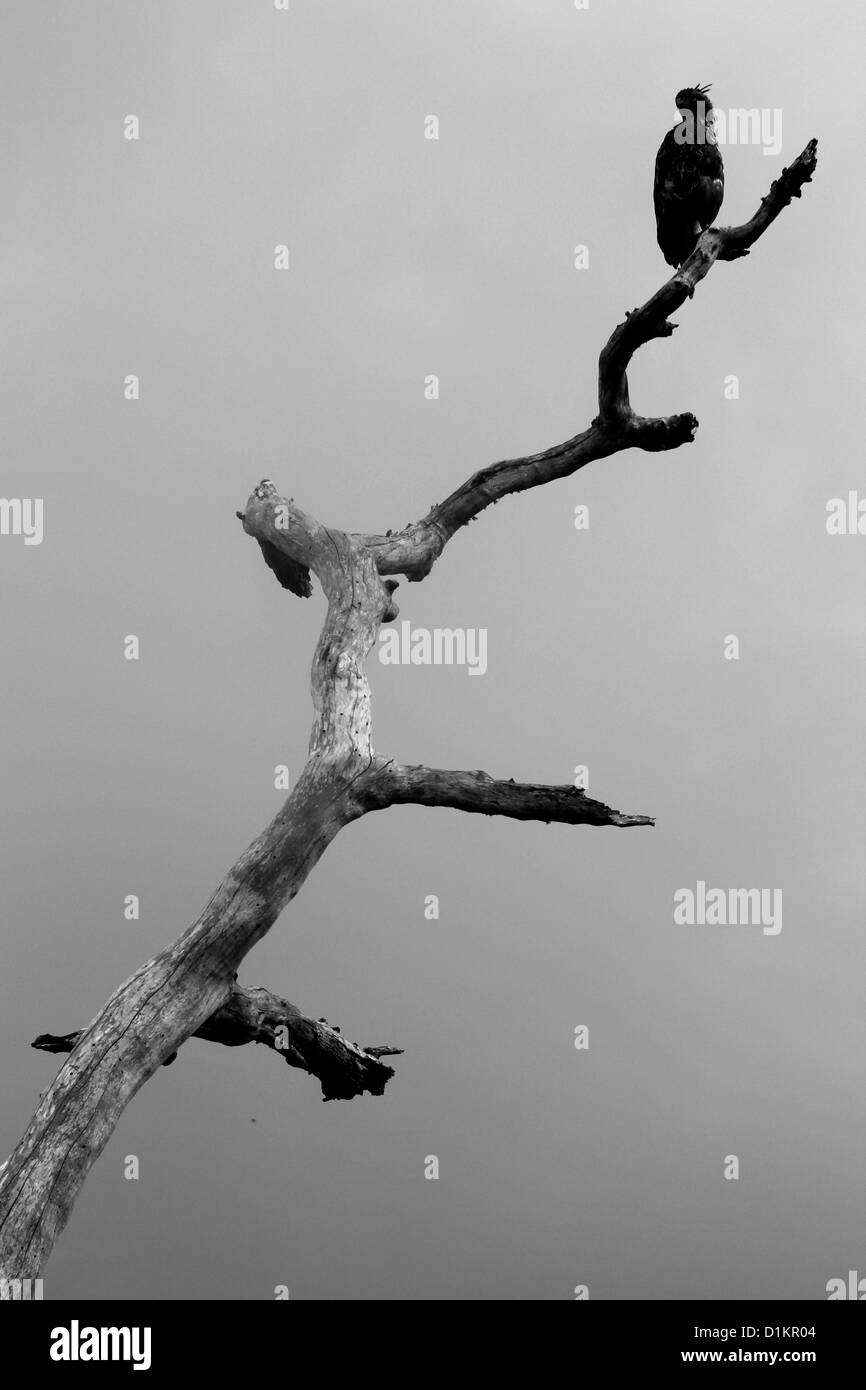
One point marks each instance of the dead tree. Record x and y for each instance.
(190, 988)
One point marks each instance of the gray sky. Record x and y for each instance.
(605, 647)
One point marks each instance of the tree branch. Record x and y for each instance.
(414, 550)
(312, 1045)
(191, 983)
(479, 792)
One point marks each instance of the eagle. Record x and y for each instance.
(689, 177)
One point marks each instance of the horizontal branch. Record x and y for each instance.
(312, 1045)
(392, 785)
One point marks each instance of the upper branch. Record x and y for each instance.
(414, 551)
(651, 320)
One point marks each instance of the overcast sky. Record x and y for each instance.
(605, 647)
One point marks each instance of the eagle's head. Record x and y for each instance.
(695, 100)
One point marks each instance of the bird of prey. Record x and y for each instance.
(689, 177)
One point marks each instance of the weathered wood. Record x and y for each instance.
(192, 983)
(313, 1045)
(479, 792)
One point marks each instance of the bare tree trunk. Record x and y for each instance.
(190, 988)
